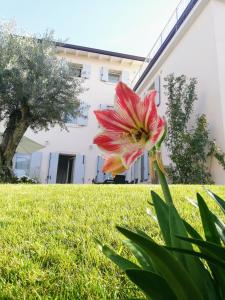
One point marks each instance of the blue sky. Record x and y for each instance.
(129, 26)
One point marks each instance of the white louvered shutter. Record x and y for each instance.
(157, 88)
(100, 176)
(82, 120)
(86, 71)
(79, 169)
(125, 77)
(35, 165)
(104, 74)
(53, 167)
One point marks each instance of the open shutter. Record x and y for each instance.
(157, 88)
(35, 165)
(104, 74)
(144, 167)
(53, 167)
(132, 179)
(83, 120)
(79, 169)
(136, 173)
(100, 176)
(125, 77)
(86, 71)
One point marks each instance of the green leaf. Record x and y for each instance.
(206, 257)
(177, 227)
(153, 285)
(216, 198)
(217, 252)
(219, 226)
(141, 256)
(173, 272)
(210, 248)
(192, 264)
(191, 231)
(162, 213)
(141, 232)
(164, 184)
(209, 227)
(121, 262)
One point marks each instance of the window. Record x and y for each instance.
(81, 119)
(69, 119)
(75, 70)
(114, 76)
(22, 164)
(79, 70)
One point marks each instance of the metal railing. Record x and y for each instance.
(183, 4)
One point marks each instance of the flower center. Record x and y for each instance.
(140, 135)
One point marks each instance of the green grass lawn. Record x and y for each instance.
(46, 237)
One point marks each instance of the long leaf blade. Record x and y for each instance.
(193, 264)
(153, 285)
(218, 200)
(162, 213)
(208, 224)
(120, 261)
(172, 271)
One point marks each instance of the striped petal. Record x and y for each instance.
(130, 157)
(111, 141)
(114, 164)
(159, 131)
(111, 120)
(127, 103)
(144, 109)
(151, 115)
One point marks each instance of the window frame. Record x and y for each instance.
(114, 73)
(73, 67)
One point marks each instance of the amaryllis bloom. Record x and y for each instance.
(132, 127)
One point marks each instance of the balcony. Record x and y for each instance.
(177, 18)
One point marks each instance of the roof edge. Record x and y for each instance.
(172, 33)
(99, 51)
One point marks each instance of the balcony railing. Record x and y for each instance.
(171, 24)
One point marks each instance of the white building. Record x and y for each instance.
(193, 44)
(69, 156)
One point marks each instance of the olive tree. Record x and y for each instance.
(37, 90)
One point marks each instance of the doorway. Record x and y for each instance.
(65, 169)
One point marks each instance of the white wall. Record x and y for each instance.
(198, 50)
(79, 139)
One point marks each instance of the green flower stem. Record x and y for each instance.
(163, 182)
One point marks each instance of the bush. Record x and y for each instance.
(14, 179)
(26, 179)
(188, 147)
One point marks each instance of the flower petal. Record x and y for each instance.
(159, 131)
(107, 141)
(127, 102)
(130, 157)
(113, 164)
(111, 120)
(151, 115)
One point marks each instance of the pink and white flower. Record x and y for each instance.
(131, 128)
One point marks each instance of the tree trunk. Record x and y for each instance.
(15, 128)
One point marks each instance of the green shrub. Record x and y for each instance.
(189, 161)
